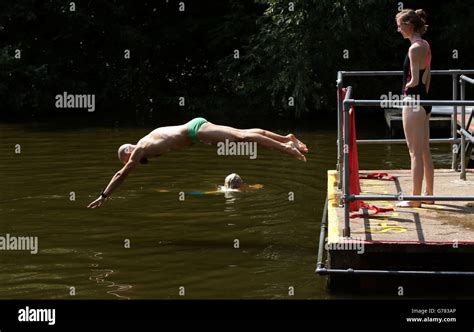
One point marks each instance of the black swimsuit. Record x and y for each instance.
(420, 89)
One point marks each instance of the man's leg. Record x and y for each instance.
(284, 139)
(213, 134)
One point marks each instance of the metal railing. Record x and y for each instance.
(463, 132)
(343, 107)
(454, 73)
(347, 197)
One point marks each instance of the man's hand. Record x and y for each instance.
(97, 203)
(119, 177)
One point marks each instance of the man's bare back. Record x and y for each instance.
(163, 140)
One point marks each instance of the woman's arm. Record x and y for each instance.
(415, 54)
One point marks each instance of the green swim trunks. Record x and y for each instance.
(193, 128)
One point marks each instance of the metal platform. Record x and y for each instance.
(438, 237)
(433, 240)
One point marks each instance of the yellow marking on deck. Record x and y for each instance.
(333, 227)
(434, 206)
(387, 227)
(385, 205)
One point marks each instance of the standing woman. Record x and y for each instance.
(416, 82)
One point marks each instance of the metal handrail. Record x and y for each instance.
(340, 81)
(325, 271)
(403, 141)
(343, 106)
(346, 179)
(339, 127)
(467, 79)
(401, 197)
(322, 235)
(464, 133)
(370, 102)
(347, 197)
(400, 72)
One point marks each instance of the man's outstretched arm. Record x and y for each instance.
(117, 179)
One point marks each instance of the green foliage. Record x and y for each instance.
(297, 53)
(83, 52)
(287, 49)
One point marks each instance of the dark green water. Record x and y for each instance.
(173, 243)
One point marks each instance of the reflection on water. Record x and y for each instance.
(173, 243)
(101, 278)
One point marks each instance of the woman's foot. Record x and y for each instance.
(428, 202)
(294, 151)
(300, 145)
(408, 204)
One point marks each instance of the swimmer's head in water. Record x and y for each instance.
(233, 181)
(124, 152)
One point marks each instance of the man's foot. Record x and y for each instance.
(294, 151)
(300, 145)
(408, 204)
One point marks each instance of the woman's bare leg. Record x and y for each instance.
(213, 134)
(428, 162)
(414, 128)
(284, 139)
